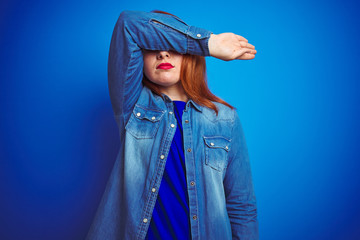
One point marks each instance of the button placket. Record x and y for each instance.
(154, 189)
(190, 170)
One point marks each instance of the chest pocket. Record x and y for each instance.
(216, 152)
(143, 122)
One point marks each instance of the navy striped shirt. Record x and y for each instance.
(170, 218)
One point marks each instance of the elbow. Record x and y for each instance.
(243, 211)
(127, 15)
(124, 16)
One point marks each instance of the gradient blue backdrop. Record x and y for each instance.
(298, 101)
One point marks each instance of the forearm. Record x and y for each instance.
(243, 219)
(241, 207)
(156, 31)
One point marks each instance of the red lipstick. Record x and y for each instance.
(164, 66)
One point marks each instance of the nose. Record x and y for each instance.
(162, 54)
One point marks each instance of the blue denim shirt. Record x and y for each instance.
(222, 202)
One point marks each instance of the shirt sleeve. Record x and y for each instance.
(136, 30)
(238, 186)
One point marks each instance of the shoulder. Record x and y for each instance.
(225, 113)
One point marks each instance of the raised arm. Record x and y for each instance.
(136, 30)
(238, 186)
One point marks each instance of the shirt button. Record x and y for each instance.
(186, 121)
(172, 125)
(145, 220)
(153, 118)
(189, 149)
(162, 156)
(227, 147)
(192, 183)
(138, 114)
(212, 144)
(153, 189)
(198, 35)
(194, 217)
(171, 112)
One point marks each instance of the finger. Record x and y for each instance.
(238, 44)
(238, 53)
(250, 46)
(241, 38)
(246, 56)
(246, 45)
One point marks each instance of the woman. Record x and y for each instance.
(182, 171)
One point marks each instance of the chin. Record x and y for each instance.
(165, 83)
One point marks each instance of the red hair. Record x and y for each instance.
(193, 79)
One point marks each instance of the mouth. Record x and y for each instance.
(164, 66)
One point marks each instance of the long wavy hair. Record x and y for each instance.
(193, 79)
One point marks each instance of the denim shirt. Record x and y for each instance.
(222, 202)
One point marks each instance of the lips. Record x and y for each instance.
(164, 66)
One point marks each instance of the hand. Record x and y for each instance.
(229, 46)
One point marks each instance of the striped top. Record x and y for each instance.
(170, 218)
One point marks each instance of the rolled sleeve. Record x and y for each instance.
(198, 39)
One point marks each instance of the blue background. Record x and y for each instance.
(298, 101)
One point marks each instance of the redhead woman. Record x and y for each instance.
(182, 171)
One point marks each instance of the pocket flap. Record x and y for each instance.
(218, 142)
(149, 114)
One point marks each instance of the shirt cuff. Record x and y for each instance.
(198, 41)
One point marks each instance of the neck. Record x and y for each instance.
(175, 92)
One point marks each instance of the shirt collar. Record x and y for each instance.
(196, 105)
(190, 101)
